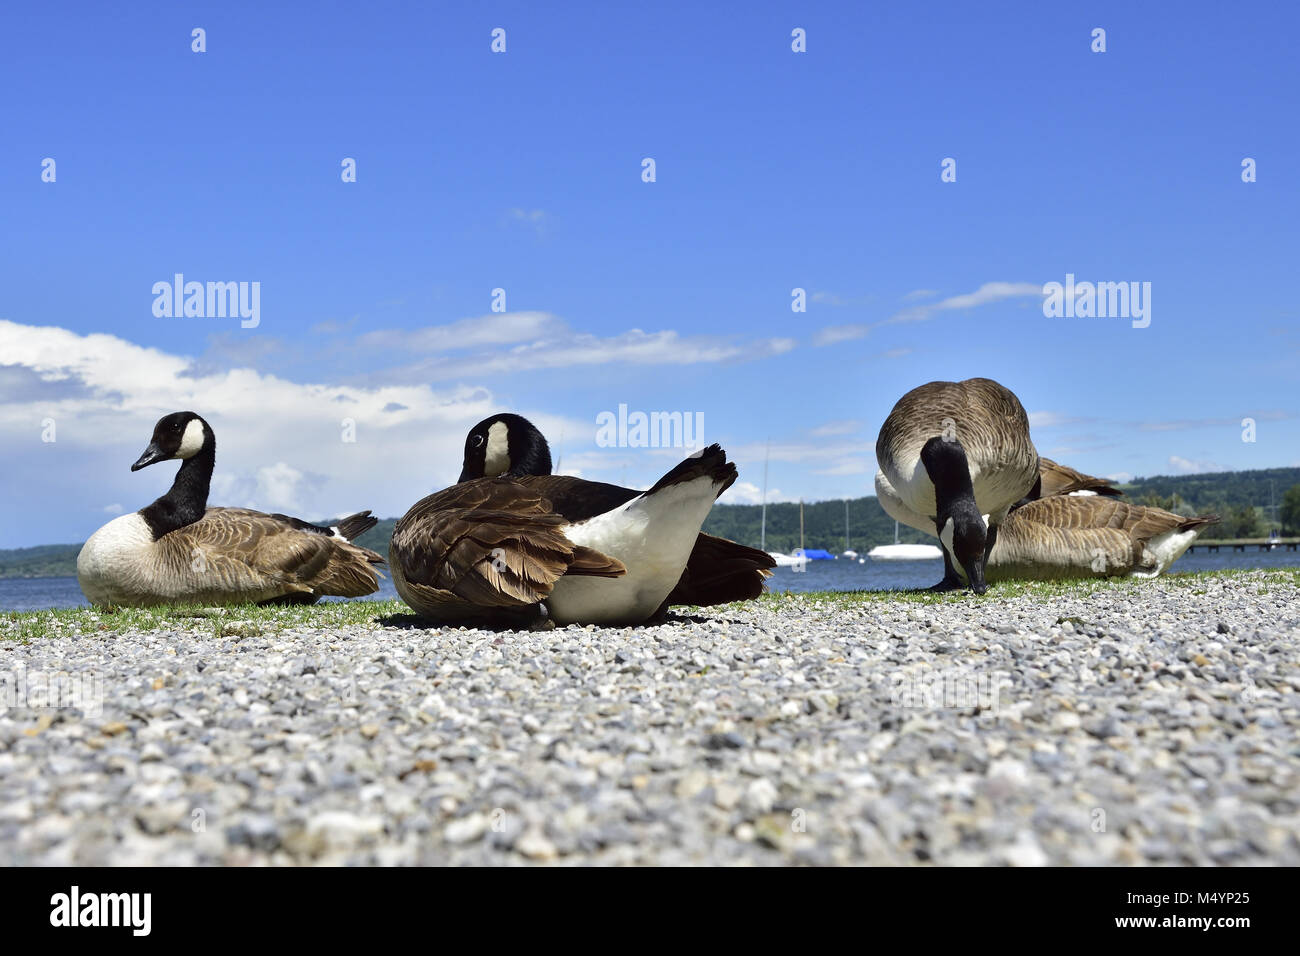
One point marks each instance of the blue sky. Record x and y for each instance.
(775, 170)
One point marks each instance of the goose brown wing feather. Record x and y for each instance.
(1061, 479)
(246, 551)
(490, 542)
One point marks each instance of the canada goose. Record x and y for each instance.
(523, 550)
(177, 550)
(954, 458)
(719, 571)
(1068, 536)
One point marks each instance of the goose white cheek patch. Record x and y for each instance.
(496, 459)
(946, 536)
(191, 441)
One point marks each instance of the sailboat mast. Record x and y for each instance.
(800, 524)
(846, 524)
(762, 534)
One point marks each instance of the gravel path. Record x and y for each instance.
(1148, 723)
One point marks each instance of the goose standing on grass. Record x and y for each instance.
(718, 571)
(177, 550)
(1071, 536)
(954, 458)
(536, 550)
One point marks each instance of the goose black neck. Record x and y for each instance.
(187, 499)
(945, 463)
(533, 459)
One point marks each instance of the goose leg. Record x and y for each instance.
(991, 537)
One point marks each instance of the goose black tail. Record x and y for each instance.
(711, 462)
(356, 525)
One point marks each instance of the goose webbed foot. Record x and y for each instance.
(950, 582)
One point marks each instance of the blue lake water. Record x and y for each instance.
(29, 594)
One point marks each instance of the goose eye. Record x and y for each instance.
(478, 440)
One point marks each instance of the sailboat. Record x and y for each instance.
(904, 552)
(782, 560)
(848, 551)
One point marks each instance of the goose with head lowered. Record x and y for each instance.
(178, 550)
(718, 571)
(954, 458)
(532, 550)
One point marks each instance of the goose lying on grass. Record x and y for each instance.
(178, 551)
(532, 549)
(1069, 536)
(718, 571)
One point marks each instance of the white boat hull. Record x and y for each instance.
(905, 552)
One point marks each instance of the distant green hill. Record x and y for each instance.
(1241, 497)
(376, 539)
(43, 561)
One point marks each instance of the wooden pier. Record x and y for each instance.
(1247, 544)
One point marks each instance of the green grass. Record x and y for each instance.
(241, 620)
(252, 621)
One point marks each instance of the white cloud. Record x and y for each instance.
(748, 493)
(985, 294)
(1188, 466)
(1120, 477)
(833, 334)
(493, 329)
(113, 509)
(567, 349)
(845, 426)
(920, 294)
(279, 485)
(280, 444)
(1050, 419)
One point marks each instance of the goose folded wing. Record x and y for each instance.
(492, 557)
(721, 571)
(242, 547)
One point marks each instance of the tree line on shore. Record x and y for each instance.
(1240, 498)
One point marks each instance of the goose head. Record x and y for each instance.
(180, 435)
(505, 444)
(962, 529)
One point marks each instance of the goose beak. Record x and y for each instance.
(151, 455)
